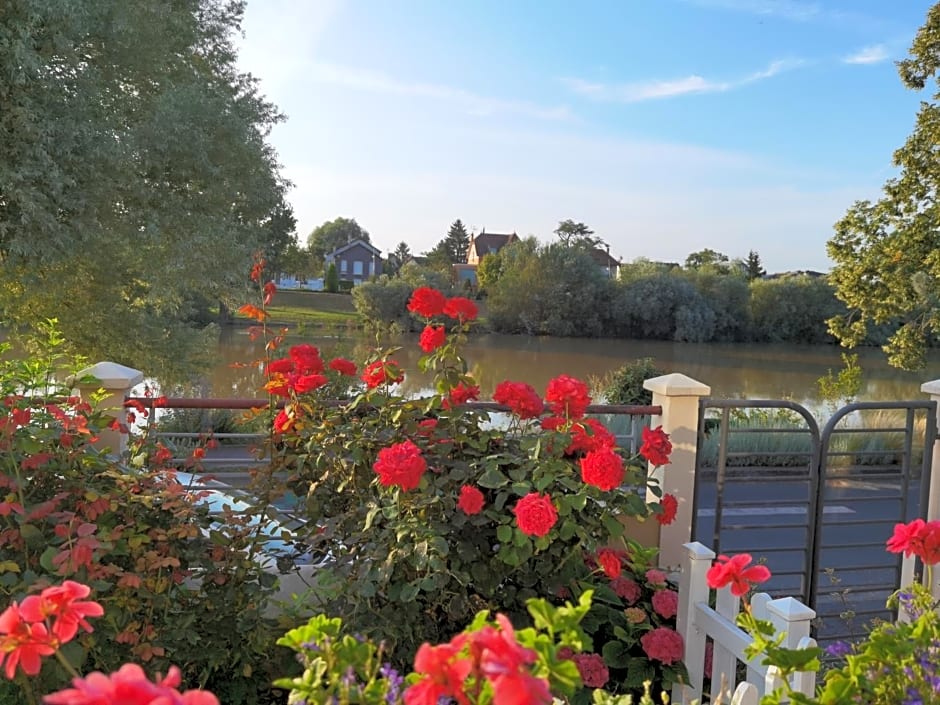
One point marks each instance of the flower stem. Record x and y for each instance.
(69, 668)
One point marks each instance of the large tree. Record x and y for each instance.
(135, 176)
(332, 234)
(572, 234)
(451, 249)
(887, 253)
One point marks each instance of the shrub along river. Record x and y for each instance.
(733, 370)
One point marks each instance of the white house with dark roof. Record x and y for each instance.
(356, 261)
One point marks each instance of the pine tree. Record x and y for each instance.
(458, 240)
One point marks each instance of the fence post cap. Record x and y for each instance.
(791, 609)
(113, 375)
(677, 385)
(698, 551)
(931, 387)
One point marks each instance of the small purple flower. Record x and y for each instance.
(395, 682)
(839, 649)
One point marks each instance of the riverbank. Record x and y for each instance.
(317, 309)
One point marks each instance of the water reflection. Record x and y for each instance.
(733, 370)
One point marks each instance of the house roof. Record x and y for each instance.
(349, 245)
(603, 258)
(485, 243)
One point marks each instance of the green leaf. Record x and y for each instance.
(504, 533)
(492, 479)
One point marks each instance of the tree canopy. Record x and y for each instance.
(887, 253)
(572, 234)
(136, 177)
(332, 234)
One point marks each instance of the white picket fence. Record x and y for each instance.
(696, 622)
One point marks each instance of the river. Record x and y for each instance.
(732, 370)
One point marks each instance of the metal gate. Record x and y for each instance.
(816, 506)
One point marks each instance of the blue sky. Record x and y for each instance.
(667, 126)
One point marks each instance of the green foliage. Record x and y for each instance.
(707, 259)
(417, 276)
(886, 260)
(572, 234)
(331, 281)
(452, 249)
(662, 307)
(177, 588)
(728, 297)
(384, 303)
(135, 172)
(792, 309)
(753, 269)
(625, 385)
(841, 388)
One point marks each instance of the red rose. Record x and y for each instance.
(461, 394)
(521, 398)
(670, 506)
(535, 514)
(278, 385)
(656, 446)
(306, 359)
(401, 464)
(427, 302)
(303, 384)
(627, 590)
(567, 397)
(666, 603)
(283, 422)
(461, 309)
(343, 366)
(603, 469)
(432, 337)
(588, 435)
(471, 500)
(281, 366)
(593, 670)
(663, 644)
(382, 372)
(609, 563)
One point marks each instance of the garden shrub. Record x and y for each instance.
(625, 384)
(177, 588)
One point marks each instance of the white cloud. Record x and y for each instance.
(654, 90)
(378, 82)
(869, 55)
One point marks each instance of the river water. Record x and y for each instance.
(732, 370)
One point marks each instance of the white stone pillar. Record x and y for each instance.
(116, 381)
(678, 396)
(933, 501)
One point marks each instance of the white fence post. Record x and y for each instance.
(791, 616)
(678, 396)
(693, 588)
(933, 502)
(117, 380)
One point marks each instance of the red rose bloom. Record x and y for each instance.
(427, 302)
(588, 435)
(278, 385)
(666, 603)
(461, 309)
(283, 422)
(471, 500)
(281, 366)
(343, 366)
(461, 394)
(603, 469)
(609, 563)
(734, 571)
(656, 446)
(382, 372)
(593, 670)
(304, 384)
(670, 506)
(535, 514)
(521, 398)
(567, 397)
(306, 359)
(663, 644)
(401, 464)
(626, 589)
(432, 337)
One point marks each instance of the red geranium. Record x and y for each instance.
(23, 644)
(432, 337)
(471, 500)
(443, 669)
(505, 664)
(567, 397)
(461, 394)
(656, 446)
(670, 505)
(521, 398)
(663, 644)
(129, 686)
(735, 571)
(461, 309)
(535, 514)
(306, 359)
(343, 366)
(400, 464)
(427, 302)
(65, 604)
(609, 562)
(382, 372)
(602, 468)
(919, 538)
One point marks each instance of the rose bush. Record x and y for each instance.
(429, 512)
